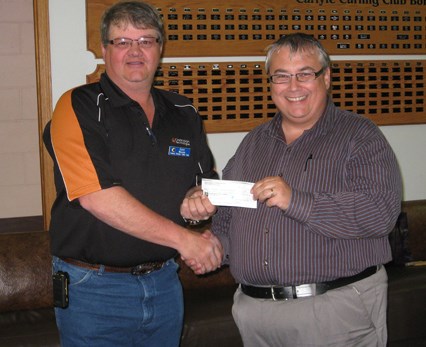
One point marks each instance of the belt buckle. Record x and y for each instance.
(305, 290)
(142, 269)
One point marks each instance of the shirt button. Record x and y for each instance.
(288, 150)
(266, 230)
(265, 263)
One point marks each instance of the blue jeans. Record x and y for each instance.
(118, 309)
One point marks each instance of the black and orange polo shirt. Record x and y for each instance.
(98, 138)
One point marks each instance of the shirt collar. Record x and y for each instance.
(113, 93)
(327, 120)
(118, 98)
(321, 127)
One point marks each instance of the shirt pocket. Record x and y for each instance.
(323, 175)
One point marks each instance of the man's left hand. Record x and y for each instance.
(273, 191)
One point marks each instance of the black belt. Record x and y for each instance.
(141, 269)
(304, 290)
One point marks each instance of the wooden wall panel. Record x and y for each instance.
(245, 28)
(234, 96)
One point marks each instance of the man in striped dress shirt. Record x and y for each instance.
(309, 257)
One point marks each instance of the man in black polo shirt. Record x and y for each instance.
(125, 157)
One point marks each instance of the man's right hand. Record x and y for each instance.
(116, 207)
(203, 253)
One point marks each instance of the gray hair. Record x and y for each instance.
(137, 13)
(297, 42)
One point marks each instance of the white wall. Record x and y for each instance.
(71, 63)
(20, 186)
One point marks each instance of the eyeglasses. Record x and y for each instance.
(283, 78)
(126, 43)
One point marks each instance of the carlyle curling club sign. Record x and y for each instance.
(246, 28)
(374, 3)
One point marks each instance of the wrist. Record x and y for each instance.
(191, 222)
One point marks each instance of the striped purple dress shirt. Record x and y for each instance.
(346, 197)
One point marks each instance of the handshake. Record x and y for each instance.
(201, 252)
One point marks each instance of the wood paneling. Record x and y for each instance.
(44, 100)
(245, 28)
(234, 96)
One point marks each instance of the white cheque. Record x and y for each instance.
(229, 193)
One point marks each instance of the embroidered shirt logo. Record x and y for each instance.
(181, 142)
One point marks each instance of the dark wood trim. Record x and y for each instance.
(21, 224)
(44, 100)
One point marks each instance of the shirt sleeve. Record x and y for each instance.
(222, 219)
(73, 157)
